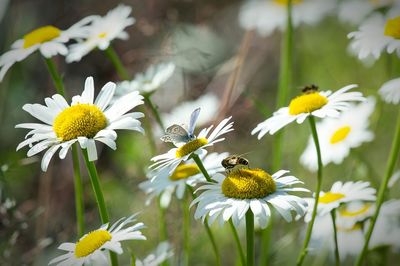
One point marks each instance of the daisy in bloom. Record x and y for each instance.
(102, 31)
(338, 194)
(85, 121)
(249, 189)
(49, 40)
(312, 102)
(90, 249)
(187, 143)
(390, 91)
(354, 11)
(161, 254)
(268, 15)
(148, 82)
(375, 35)
(338, 136)
(185, 174)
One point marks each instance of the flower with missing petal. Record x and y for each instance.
(90, 249)
(85, 121)
(312, 102)
(390, 91)
(338, 194)
(338, 136)
(102, 31)
(252, 190)
(49, 40)
(268, 15)
(186, 174)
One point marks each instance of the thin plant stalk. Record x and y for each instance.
(94, 179)
(393, 156)
(304, 250)
(116, 61)
(238, 244)
(186, 230)
(199, 163)
(337, 256)
(250, 237)
(58, 83)
(78, 187)
(153, 109)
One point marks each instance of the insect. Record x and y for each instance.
(178, 134)
(234, 162)
(310, 89)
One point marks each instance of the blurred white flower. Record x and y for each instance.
(390, 91)
(338, 136)
(376, 34)
(158, 256)
(102, 31)
(266, 16)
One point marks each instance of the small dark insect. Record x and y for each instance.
(234, 161)
(310, 89)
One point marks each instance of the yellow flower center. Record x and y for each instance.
(81, 120)
(285, 2)
(307, 103)
(248, 184)
(91, 242)
(190, 147)
(184, 171)
(102, 35)
(356, 227)
(329, 197)
(392, 27)
(340, 134)
(352, 213)
(41, 35)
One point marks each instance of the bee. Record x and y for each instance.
(178, 134)
(310, 89)
(234, 162)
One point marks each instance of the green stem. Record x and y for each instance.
(394, 153)
(163, 224)
(55, 76)
(79, 206)
(94, 179)
(304, 250)
(250, 237)
(186, 227)
(265, 240)
(153, 109)
(238, 244)
(199, 163)
(337, 257)
(116, 61)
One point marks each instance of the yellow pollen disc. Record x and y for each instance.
(392, 27)
(347, 213)
(183, 171)
(329, 197)
(91, 242)
(41, 35)
(102, 35)
(190, 147)
(248, 184)
(356, 227)
(285, 2)
(340, 134)
(81, 120)
(307, 103)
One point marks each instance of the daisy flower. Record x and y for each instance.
(338, 136)
(185, 174)
(161, 254)
(187, 143)
(390, 91)
(89, 250)
(49, 40)
(268, 15)
(102, 31)
(148, 82)
(85, 121)
(312, 102)
(375, 35)
(249, 189)
(338, 194)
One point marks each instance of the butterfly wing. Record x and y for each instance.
(193, 119)
(175, 134)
